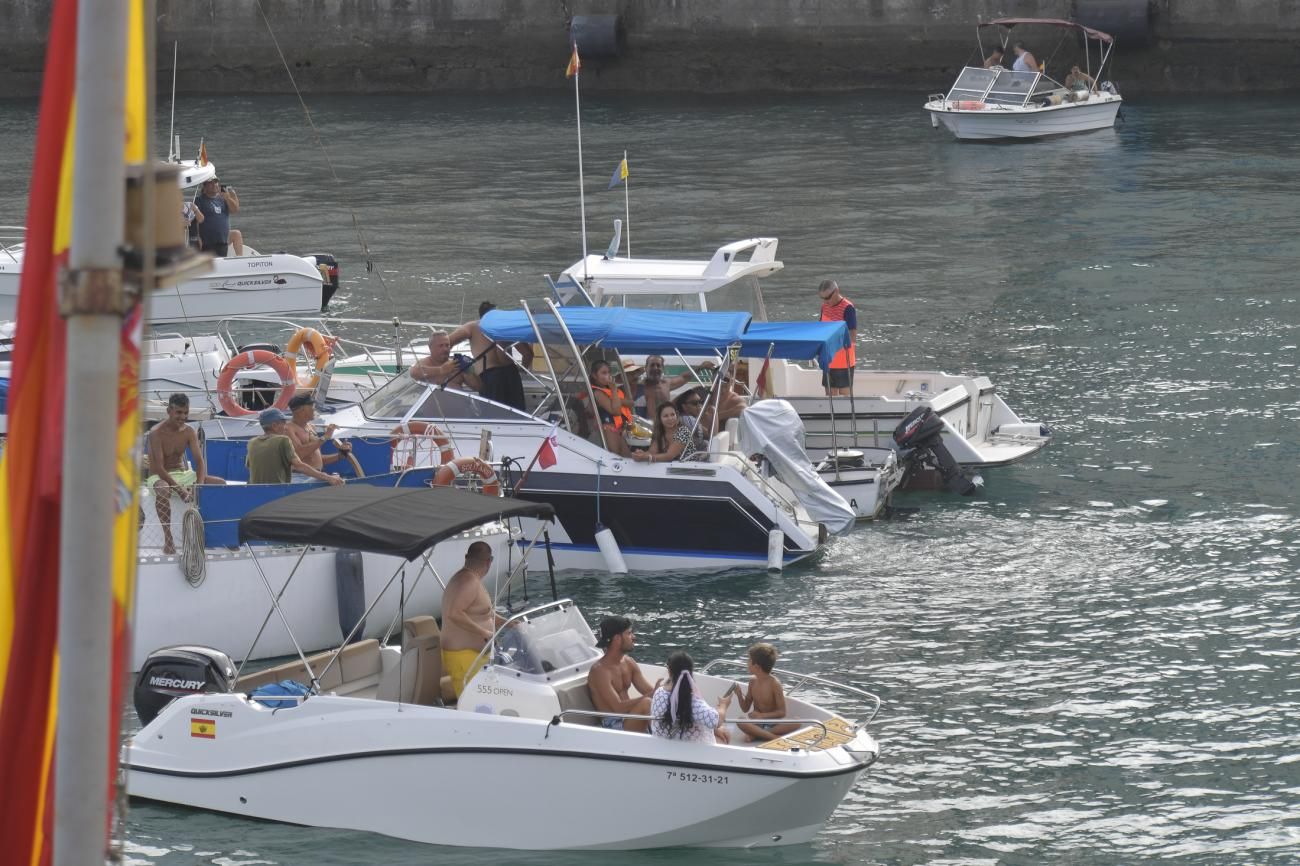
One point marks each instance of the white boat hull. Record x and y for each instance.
(1031, 121)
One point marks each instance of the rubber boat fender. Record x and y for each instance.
(350, 583)
(1129, 21)
(609, 550)
(775, 549)
(597, 35)
(245, 360)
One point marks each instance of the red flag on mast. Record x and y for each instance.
(575, 64)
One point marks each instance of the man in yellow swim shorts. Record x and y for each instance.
(468, 618)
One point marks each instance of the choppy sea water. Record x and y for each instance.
(1092, 662)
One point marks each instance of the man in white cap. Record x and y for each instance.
(271, 458)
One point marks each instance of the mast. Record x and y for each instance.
(93, 300)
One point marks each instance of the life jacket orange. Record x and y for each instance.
(624, 417)
(846, 358)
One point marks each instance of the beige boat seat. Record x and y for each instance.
(416, 680)
(576, 696)
(356, 673)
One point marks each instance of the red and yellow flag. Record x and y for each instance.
(203, 153)
(575, 64)
(31, 469)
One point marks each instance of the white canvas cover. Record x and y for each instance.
(772, 428)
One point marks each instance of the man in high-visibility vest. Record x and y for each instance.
(837, 308)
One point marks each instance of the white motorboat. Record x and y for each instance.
(996, 103)
(721, 512)
(369, 717)
(254, 284)
(979, 429)
(203, 590)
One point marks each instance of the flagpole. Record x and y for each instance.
(582, 195)
(627, 206)
(92, 300)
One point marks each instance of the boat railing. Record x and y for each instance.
(798, 679)
(597, 714)
(12, 239)
(750, 471)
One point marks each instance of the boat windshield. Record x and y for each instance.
(557, 638)
(395, 399)
(656, 302)
(997, 86)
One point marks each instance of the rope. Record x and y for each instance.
(356, 225)
(194, 562)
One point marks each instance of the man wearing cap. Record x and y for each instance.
(306, 444)
(271, 458)
(611, 678)
(216, 203)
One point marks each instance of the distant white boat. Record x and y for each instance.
(997, 103)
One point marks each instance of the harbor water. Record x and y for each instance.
(1092, 662)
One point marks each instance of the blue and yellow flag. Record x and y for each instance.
(620, 174)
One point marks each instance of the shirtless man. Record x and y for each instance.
(440, 368)
(306, 444)
(657, 388)
(468, 618)
(168, 442)
(499, 375)
(611, 678)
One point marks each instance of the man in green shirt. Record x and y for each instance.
(271, 458)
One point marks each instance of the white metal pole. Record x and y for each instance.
(173, 155)
(582, 194)
(90, 439)
(627, 204)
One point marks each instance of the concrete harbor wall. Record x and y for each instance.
(722, 46)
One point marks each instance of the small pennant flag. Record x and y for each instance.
(546, 454)
(203, 154)
(204, 729)
(575, 64)
(761, 381)
(620, 174)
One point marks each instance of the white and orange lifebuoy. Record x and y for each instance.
(317, 347)
(245, 360)
(449, 472)
(407, 444)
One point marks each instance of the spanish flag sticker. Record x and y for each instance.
(203, 728)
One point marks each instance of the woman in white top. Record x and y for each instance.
(678, 711)
(1025, 61)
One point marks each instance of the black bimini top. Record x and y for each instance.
(403, 521)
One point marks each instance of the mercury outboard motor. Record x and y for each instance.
(329, 271)
(920, 439)
(176, 671)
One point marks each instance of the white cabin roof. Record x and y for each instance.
(623, 276)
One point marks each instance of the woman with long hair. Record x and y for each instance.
(678, 711)
(671, 439)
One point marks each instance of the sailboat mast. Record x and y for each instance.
(92, 301)
(173, 152)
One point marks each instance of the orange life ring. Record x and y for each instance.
(318, 348)
(406, 444)
(254, 358)
(968, 105)
(449, 472)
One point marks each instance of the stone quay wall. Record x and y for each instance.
(720, 46)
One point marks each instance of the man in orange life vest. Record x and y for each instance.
(837, 308)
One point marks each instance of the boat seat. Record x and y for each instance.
(576, 696)
(420, 668)
(718, 445)
(357, 671)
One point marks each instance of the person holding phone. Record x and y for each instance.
(216, 202)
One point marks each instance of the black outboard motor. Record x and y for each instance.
(330, 272)
(176, 671)
(920, 439)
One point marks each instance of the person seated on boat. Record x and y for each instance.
(499, 377)
(1079, 81)
(306, 443)
(191, 218)
(679, 713)
(994, 58)
(658, 389)
(763, 698)
(613, 408)
(440, 368)
(671, 440)
(612, 678)
(271, 457)
(1025, 61)
(468, 618)
(728, 401)
(168, 441)
(216, 202)
(689, 404)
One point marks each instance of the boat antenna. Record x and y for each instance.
(173, 152)
(329, 164)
